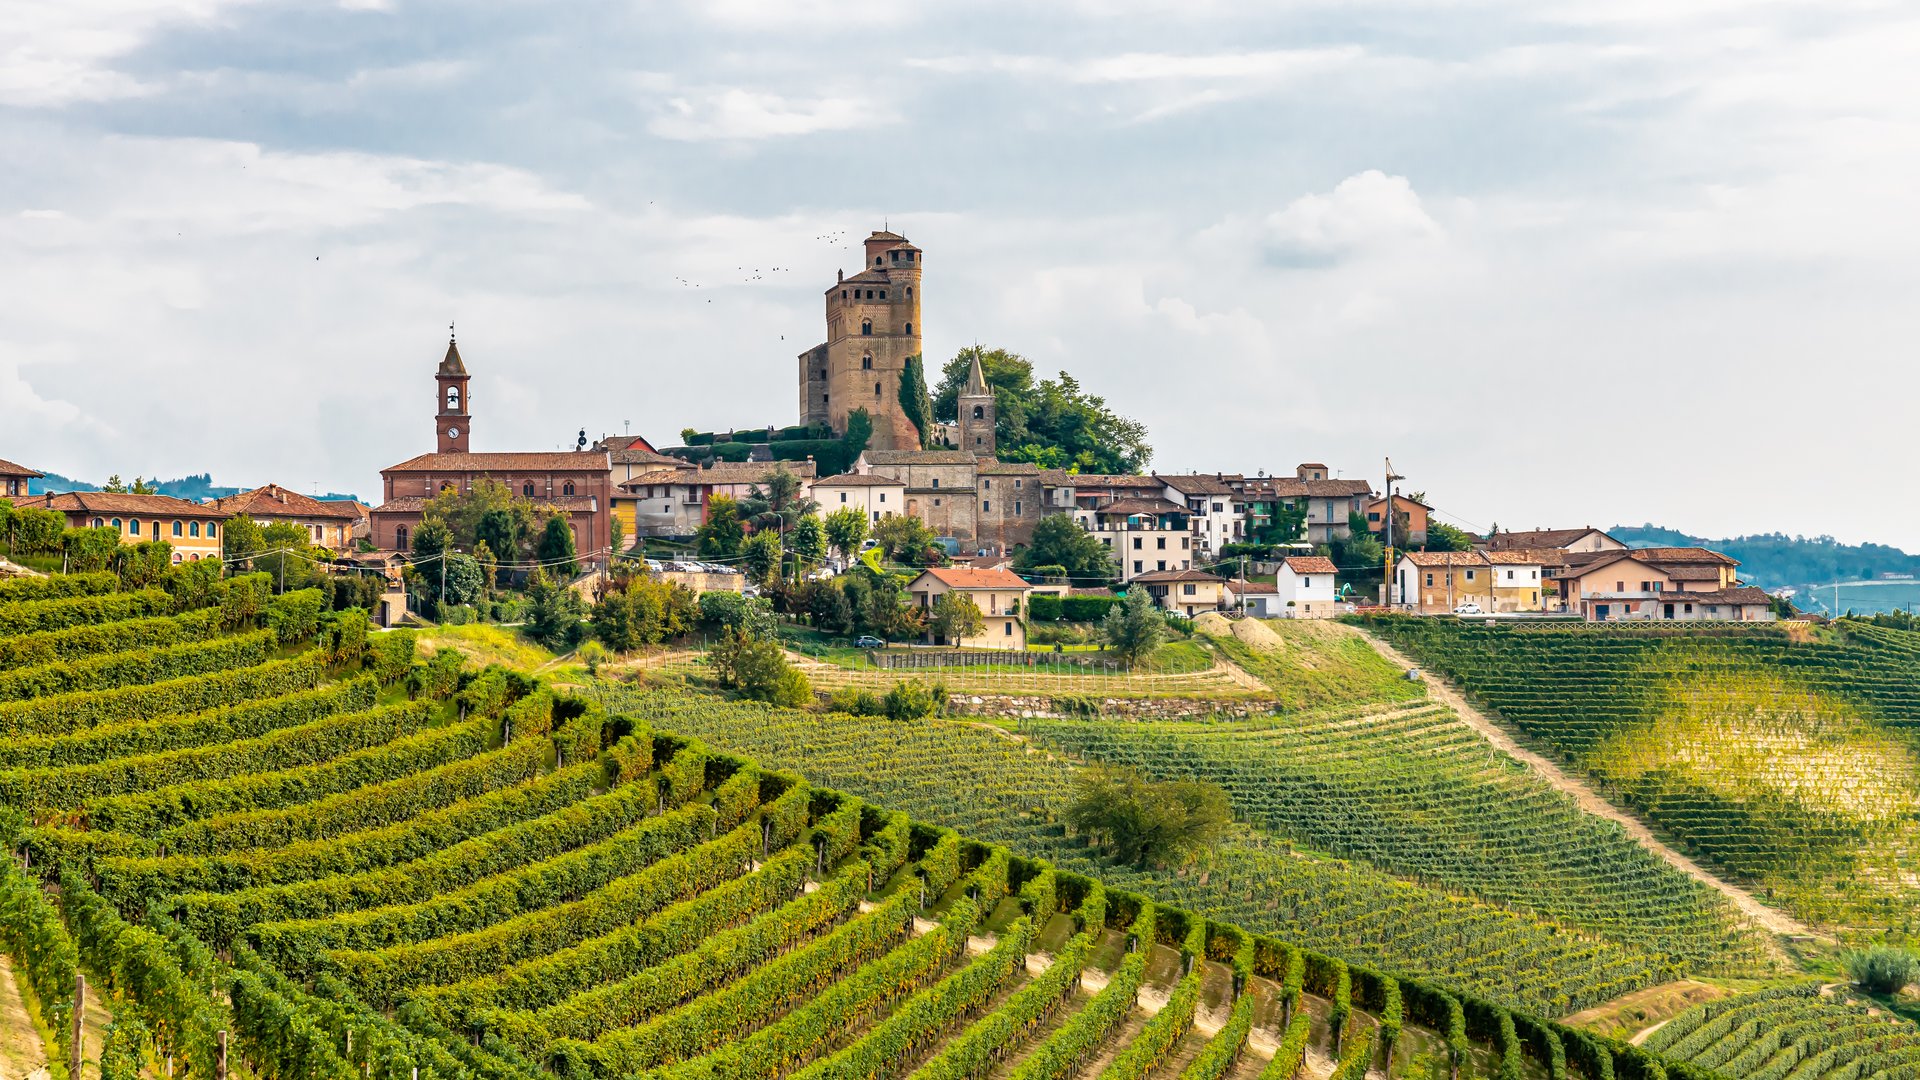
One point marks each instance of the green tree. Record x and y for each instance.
(1058, 540)
(241, 541)
(760, 557)
(503, 529)
(956, 616)
(1289, 523)
(859, 433)
(142, 486)
(89, 550)
(913, 398)
(1444, 537)
(1054, 423)
(809, 541)
(1146, 822)
(511, 537)
(846, 530)
(830, 610)
(721, 534)
(1360, 556)
(906, 539)
(553, 612)
(143, 564)
(556, 553)
(776, 502)
(759, 670)
(1134, 627)
(286, 552)
(114, 485)
(33, 531)
(616, 537)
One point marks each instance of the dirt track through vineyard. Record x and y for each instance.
(1590, 800)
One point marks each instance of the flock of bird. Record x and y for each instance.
(835, 238)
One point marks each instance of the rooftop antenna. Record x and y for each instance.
(450, 334)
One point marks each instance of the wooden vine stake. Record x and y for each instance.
(79, 1017)
(220, 1063)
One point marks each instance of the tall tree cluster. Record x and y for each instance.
(1053, 423)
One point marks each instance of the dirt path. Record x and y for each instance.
(21, 1053)
(1590, 800)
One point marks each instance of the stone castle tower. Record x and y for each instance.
(976, 414)
(873, 326)
(453, 421)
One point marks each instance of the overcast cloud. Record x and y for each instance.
(1566, 263)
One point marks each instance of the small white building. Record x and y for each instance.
(1259, 599)
(1305, 588)
(875, 495)
(1218, 516)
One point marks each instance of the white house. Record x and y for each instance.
(1218, 516)
(1304, 588)
(1259, 599)
(875, 495)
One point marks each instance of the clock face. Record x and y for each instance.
(453, 433)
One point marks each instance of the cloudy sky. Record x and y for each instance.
(1567, 263)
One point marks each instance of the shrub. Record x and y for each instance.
(1044, 608)
(856, 702)
(913, 700)
(1881, 969)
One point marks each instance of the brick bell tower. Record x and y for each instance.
(452, 423)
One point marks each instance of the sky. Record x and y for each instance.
(1565, 263)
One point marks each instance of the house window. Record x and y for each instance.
(1307, 582)
(133, 527)
(883, 294)
(1217, 508)
(176, 527)
(1373, 515)
(527, 489)
(1009, 629)
(1619, 586)
(843, 496)
(936, 502)
(843, 294)
(118, 525)
(567, 488)
(1016, 485)
(193, 528)
(213, 528)
(1429, 581)
(895, 254)
(1136, 543)
(1160, 542)
(1509, 575)
(1189, 589)
(1186, 543)
(1136, 566)
(1469, 575)
(936, 481)
(1016, 508)
(1162, 565)
(869, 294)
(987, 485)
(97, 523)
(883, 496)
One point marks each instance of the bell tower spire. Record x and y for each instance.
(452, 422)
(976, 409)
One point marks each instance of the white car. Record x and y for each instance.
(1468, 609)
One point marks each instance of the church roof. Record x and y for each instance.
(976, 380)
(541, 461)
(451, 364)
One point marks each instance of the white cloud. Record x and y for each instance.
(55, 54)
(736, 113)
(1367, 213)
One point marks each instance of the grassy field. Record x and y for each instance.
(1788, 759)
(1309, 663)
(486, 643)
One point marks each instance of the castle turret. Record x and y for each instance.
(873, 326)
(976, 411)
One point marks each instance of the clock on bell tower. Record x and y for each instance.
(453, 422)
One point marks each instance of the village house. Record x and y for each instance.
(1304, 588)
(981, 503)
(1146, 536)
(1409, 520)
(15, 479)
(1585, 539)
(1438, 582)
(672, 502)
(1000, 595)
(1255, 599)
(1214, 509)
(1330, 502)
(1519, 582)
(1185, 592)
(1641, 583)
(328, 523)
(193, 529)
(873, 495)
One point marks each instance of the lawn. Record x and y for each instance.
(486, 644)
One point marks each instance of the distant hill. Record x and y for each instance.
(1776, 560)
(195, 488)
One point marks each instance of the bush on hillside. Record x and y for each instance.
(1882, 969)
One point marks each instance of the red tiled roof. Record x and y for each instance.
(858, 480)
(1513, 558)
(8, 468)
(1311, 564)
(1249, 587)
(1445, 558)
(1540, 538)
(275, 501)
(1129, 507)
(105, 502)
(1158, 576)
(1194, 484)
(539, 461)
(958, 577)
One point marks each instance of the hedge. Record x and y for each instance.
(136, 667)
(55, 587)
(38, 615)
(1053, 608)
(31, 933)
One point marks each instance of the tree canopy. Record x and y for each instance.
(1058, 540)
(1147, 822)
(1053, 423)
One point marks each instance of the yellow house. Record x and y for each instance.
(193, 529)
(1438, 582)
(1185, 592)
(999, 594)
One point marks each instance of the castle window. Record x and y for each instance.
(843, 294)
(987, 507)
(1016, 506)
(987, 484)
(979, 412)
(1016, 485)
(567, 489)
(909, 256)
(527, 489)
(909, 328)
(895, 254)
(400, 536)
(936, 483)
(909, 292)
(876, 261)
(883, 294)
(876, 389)
(936, 502)
(866, 327)
(869, 294)
(866, 363)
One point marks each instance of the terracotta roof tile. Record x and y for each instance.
(857, 480)
(1158, 576)
(1129, 507)
(106, 502)
(8, 468)
(554, 461)
(961, 577)
(918, 457)
(1195, 485)
(1311, 564)
(1445, 558)
(276, 501)
(1539, 538)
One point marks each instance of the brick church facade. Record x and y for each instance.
(578, 484)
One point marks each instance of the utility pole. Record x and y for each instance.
(1386, 574)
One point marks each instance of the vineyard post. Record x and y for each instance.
(220, 1063)
(79, 1016)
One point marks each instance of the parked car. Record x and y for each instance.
(1468, 609)
(868, 641)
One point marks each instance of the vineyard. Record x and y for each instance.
(278, 846)
(1791, 1031)
(1789, 759)
(1413, 791)
(995, 788)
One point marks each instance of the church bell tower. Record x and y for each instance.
(452, 423)
(977, 414)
